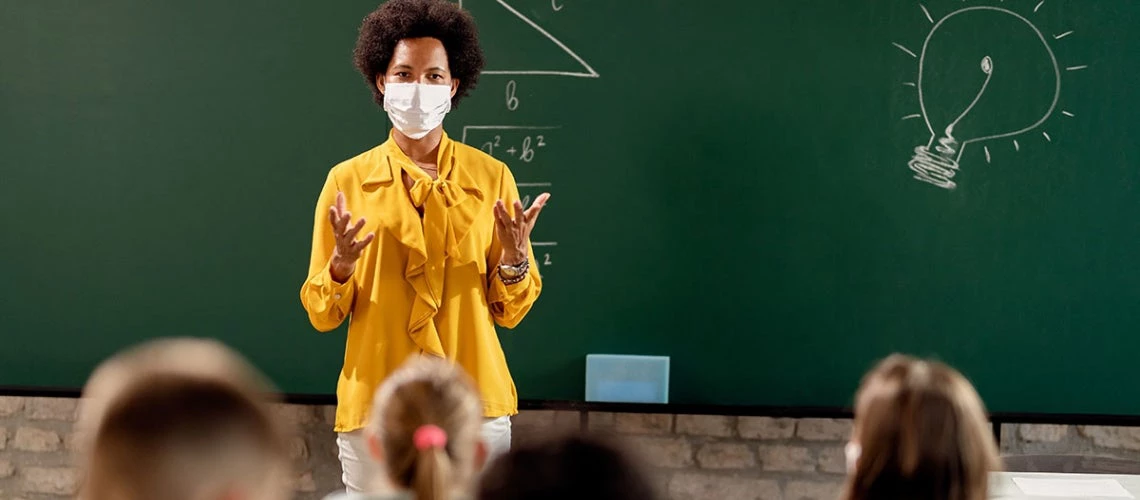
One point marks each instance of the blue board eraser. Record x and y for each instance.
(619, 378)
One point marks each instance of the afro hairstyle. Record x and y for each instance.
(396, 20)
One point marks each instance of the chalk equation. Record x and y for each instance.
(984, 73)
(510, 143)
(524, 150)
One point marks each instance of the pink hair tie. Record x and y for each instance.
(429, 436)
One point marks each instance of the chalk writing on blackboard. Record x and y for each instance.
(586, 70)
(524, 145)
(944, 70)
(512, 100)
(519, 145)
(516, 142)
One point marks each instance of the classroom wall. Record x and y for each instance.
(36, 441)
(693, 456)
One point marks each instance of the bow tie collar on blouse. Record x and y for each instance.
(450, 203)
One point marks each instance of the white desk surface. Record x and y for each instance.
(1002, 485)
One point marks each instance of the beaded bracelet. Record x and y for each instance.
(520, 277)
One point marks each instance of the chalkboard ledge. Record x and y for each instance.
(996, 418)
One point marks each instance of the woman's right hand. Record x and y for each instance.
(348, 248)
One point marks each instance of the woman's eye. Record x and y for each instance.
(436, 77)
(402, 74)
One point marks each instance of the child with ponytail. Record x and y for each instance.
(424, 432)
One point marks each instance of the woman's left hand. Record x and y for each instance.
(514, 233)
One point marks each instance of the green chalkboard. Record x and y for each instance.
(732, 182)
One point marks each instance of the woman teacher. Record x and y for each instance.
(422, 240)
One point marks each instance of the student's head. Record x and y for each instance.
(433, 42)
(920, 433)
(182, 437)
(573, 467)
(424, 429)
(183, 355)
(192, 369)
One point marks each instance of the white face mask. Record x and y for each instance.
(852, 451)
(416, 108)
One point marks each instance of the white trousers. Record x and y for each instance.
(360, 470)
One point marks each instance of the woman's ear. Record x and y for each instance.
(454, 86)
(851, 453)
(374, 447)
(380, 83)
(233, 493)
(480, 455)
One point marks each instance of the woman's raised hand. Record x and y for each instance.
(348, 248)
(514, 232)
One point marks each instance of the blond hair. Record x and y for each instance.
(427, 392)
(923, 435)
(179, 418)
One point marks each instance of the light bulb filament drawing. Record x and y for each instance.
(1028, 84)
(939, 167)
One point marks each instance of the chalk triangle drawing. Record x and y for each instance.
(586, 72)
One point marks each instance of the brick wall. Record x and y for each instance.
(36, 445)
(708, 456)
(35, 439)
(692, 456)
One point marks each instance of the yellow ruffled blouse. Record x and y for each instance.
(425, 285)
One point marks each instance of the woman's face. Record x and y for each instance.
(418, 60)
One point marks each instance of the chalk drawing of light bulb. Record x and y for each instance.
(984, 73)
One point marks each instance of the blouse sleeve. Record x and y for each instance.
(510, 303)
(327, 302)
